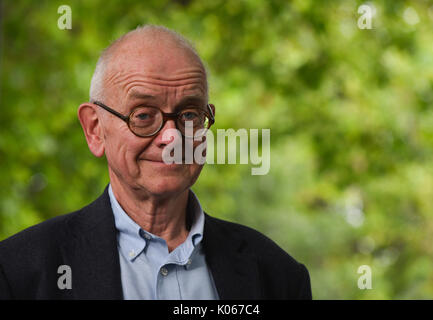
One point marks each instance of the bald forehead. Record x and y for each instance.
(162, 49)
(152, 64)
(156, 55)
(152, 37)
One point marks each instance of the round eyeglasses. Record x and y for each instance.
(146, 121)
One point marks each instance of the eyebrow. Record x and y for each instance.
(188, 99)
(138, 95)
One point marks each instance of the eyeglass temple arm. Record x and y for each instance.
(121, 116)
(211, 113)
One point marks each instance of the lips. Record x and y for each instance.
(155, 157)
(153, 160)
(161, 161)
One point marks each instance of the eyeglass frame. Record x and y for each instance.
(165, 117)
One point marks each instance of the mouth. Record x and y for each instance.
(161, 163)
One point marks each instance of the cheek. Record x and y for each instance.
(118, 157)
(123, 151)
(195, 168)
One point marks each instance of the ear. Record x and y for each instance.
(92, 128)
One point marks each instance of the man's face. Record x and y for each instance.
(160, 76)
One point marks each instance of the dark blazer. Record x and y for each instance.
(244, 263)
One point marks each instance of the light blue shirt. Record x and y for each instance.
(150, 272)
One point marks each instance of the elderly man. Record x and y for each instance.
(146, 236)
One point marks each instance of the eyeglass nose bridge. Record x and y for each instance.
(169, 116)
(165, 118)
(174, 116)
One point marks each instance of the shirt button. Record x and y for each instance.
(147, 236)
(131, 253)
(164, 271)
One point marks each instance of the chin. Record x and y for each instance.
(166, 186)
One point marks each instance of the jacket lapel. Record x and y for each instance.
(92, 253)
(234, 271)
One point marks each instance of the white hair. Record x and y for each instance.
(153, 33)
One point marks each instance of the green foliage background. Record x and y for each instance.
(350, 113)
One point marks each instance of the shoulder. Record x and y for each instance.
(35, 240)
(55, 231)
(270, 256)
(280, 275)
(249, 239)
(29, 260)
(42, 242)
(31, 257)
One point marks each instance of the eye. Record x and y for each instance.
(145, 116)
(189, 115)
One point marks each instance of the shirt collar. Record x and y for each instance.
(132, 239)
(195, 211)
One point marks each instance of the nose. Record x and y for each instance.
(168, 134)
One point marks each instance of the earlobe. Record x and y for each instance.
(91, 125)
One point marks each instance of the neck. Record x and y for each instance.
(161, 216)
